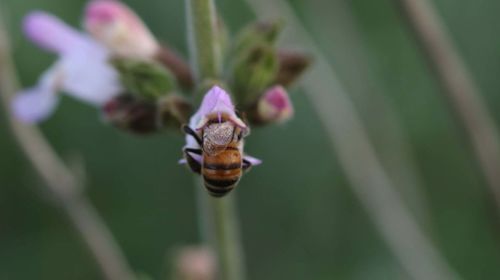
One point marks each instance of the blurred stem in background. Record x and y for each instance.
(368, 179)
(59, 178)
(459, 89)
(338, 34)
(219, 213)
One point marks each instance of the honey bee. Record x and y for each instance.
(219, 158)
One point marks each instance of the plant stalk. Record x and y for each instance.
(61, 181)
(219, 223)
(458, 88)
(369, 181)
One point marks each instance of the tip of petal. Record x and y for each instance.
(49, 32)
(104, 10)
(33, 106)
(216, 98)
(119, 28)
(217, 101)
(252, 160)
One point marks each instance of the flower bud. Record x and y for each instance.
(273, 107)
(292, 65)
(144, 78)
(258, 33)
(130, 113)
(120, 29)
(195, 263)
(253, 72)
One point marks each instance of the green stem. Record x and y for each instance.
(203, 44)
(218, 220)
(231, 262)
(60, 179)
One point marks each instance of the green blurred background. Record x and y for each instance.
(299, 218)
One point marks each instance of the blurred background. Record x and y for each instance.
(299, 216)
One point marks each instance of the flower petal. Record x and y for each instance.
(50, 32)
(119, 28)
(34, 105)
(252, 160)
(217, 101)
(88, 76)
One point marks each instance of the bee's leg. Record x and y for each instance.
(246, 165)
(193, 150)
(193, 159)
(190, 131)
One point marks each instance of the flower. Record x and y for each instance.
(216, 102)
(195, 263)
(120, 29)
(274, 106)
(82, 69)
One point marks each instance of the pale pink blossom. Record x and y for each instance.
(275, 105)
(216, 102)
(120, 29)
(82, 69)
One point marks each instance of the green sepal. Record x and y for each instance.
(258, 33)
(144, 78)
(292, 64)
(253, 72)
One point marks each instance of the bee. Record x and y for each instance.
(219, 158)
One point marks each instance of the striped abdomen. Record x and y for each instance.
(222, 172)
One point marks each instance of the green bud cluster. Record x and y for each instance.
(150, 101)
(256, 64)
(153, 96)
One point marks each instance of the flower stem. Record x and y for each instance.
(219, 225)
(459, 89)
(204, 47)
(407, 240)
(61, 181)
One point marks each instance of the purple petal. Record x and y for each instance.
(89, 77)
(51, 33)
(252, 160)
(34, 105)
(217, 101)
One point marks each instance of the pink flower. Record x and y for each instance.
(216, 101)
(82, 69)
(275, 105)
(120, 29)
(196, 263)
